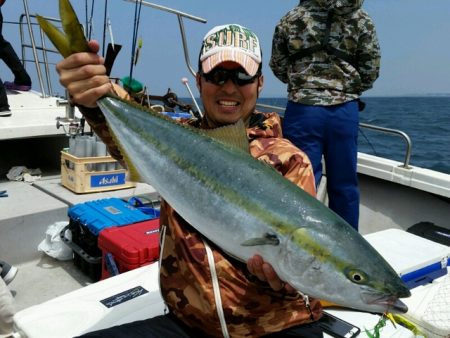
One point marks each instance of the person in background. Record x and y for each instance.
(22, 80)
(327, 52)
(7, 309)
(255, 301)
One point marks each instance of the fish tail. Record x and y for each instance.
(58, 39)
(72, 40)
(72, 27)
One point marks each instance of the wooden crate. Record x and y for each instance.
(80, 174)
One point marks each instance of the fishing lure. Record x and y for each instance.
(138, 51)
(376, 330)
(394, 319)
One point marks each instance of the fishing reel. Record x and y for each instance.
(171, 102)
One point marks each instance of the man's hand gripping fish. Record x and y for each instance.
(242, 205)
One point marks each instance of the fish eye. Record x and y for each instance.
(356, 276)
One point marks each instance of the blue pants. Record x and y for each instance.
(331, 131)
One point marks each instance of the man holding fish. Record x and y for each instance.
(254, 300)
(222, 207)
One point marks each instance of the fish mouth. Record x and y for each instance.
(389, 303)
(393, 305)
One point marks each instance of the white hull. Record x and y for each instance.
(32, 116)
(394, 197)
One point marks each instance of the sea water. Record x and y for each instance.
(426, 120)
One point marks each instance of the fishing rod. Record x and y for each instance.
(197, 114)
(180, 15)
(89, 24)
(86, 15)
(137, 16)
(105, 14)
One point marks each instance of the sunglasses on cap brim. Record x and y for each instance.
(220, 76)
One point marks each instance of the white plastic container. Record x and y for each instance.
(417, 260)
(127, 297)
(425, 266)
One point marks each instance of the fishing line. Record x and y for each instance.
(368, 141)
(137, 16)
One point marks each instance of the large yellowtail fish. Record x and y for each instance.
(246, 207)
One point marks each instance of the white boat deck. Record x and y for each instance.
(32, 116)
(24, 217)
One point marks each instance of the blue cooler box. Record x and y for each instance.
(87, 220)
(99, 214)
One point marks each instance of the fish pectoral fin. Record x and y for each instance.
(267, 239)
(232, 134)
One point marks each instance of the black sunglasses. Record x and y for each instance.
(220, 76)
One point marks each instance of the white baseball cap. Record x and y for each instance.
(231, 42)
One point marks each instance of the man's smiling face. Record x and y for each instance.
(229, 102)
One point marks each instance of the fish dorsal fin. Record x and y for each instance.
(233, 134)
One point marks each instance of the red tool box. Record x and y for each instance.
(129, 247)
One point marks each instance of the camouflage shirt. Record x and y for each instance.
(316, 76)
(251, 307)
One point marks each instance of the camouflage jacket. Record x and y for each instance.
(251, 307)
(321, 70)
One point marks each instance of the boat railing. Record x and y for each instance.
(270, 107)
(27, 29)
(33, 38)
(397, 132)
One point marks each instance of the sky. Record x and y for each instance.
(413, 35)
